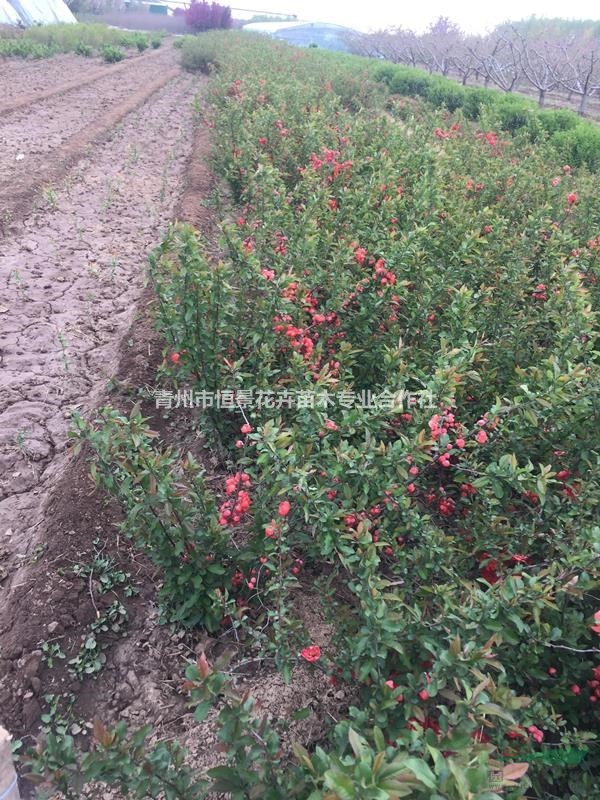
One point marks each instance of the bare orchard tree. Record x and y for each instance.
(466, 59)
(499, 62)
(545, 58)
(403, 46)
(439, 45)
(581, 69)
(393, 45)
(366, 44)
(542, 63)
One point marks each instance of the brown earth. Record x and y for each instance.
(40, 147)
(49, 77)
(71, 274)
(76, 332)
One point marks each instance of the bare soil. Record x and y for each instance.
(47, 77)
(41, 142)
(71, 273)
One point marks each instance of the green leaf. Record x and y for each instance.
(339, 783)
(356, 743)
(302, 713)
(202, 710)
(226, 779)
(421, 771)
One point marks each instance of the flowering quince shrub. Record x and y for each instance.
(454, 541)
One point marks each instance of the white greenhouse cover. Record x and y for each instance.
(8, 16)
(36, 12)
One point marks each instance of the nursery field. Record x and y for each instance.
(327, 523)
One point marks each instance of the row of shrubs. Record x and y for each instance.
(451, 543)
(83, 39)
(577, 140)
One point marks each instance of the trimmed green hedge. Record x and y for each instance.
(576, 139)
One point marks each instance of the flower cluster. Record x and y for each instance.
(233, 510)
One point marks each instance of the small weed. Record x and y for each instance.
(197, 107)
(20, 439)
(102, 573)
(63, 346)
(106, 573)
(57, 718)
(6, 219)
(91, 658)
(109, 199)
(37, 553)
(134, 154)
(165, 178)
(50, 197)
(16, 278)
(50, 652)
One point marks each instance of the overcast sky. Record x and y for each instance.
(472, 15)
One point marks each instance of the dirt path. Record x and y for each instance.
(68, 287)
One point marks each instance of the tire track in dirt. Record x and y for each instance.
(83, 80)
(18, 196)
(69, 286)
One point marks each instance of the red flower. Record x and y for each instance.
(576, 689)
(424, 695)
(596, 626)
(518, 558)
(330, 425)
(284, 508)
(175, 357)
(572, 198)
(532, 497)
(311, 653)
(490, 571)
(246, 428)
(482, 437)
(536, 734)
(270, 530)
(360, 255)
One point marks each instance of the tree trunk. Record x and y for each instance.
(583, 104)
(542, 98)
